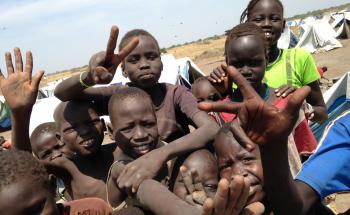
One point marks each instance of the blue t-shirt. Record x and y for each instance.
(328, 170)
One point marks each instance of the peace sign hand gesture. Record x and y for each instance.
(263, 123)
(103, 65)
(20, 89)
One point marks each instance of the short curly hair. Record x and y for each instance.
(242, 30)
(19, 165)
(135, 33)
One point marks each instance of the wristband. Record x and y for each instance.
(82, 82)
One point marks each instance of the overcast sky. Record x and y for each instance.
(63, 34)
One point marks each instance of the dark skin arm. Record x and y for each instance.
(20, 90)
(115, 195)
(229, 200)
(315, 98)
(101, 69)
(148, 166)
(285, 195)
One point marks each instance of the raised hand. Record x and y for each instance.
(218, 78)
(231, 199)
(103, 65)
(263, 123)
(20, 89)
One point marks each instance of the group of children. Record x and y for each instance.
(250, 131)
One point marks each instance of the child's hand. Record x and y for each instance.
(145, 167)
(231, 199)
(284, 91)
(196, 195)
(263, 123)
(218, 78)
(20, 89)
(102, 66)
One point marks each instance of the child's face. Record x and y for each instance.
(143, 65)
(27, 197)
(205, 92)
(81, 130)
(233, 159)
(268, 15)
(47, 147)
(247, 54)
(135, 127)
(205, 165)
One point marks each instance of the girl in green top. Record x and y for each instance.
(287, 69)
(290, 68)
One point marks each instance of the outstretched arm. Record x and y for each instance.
(101, 70)
(230, 199)
(269, 127)
(20, 91)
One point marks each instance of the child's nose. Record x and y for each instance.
(267, 22)
(140, 133)
(144, 64)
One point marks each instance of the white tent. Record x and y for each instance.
(288, 39)
(318, 35)
(342, 24)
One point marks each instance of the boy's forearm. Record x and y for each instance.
(282, 190)
(72, 88)
(20, 131)
(192, 141)
(165, 202)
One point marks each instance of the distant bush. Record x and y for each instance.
(163, 50)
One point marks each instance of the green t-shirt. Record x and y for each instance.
(294, 67)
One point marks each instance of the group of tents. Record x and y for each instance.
(317, 33)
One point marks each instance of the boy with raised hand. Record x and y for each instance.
(175, 107)
(286, 195)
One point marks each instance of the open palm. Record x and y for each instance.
(263, 123)
(19, 88)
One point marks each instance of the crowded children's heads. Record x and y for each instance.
(204, 91)
(204, 162)
(246, 50)
(267, 14)
(79, 127)
(233, 159)
(24, 180)
(134, 121)
(143, 65)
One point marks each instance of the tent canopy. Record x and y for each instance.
(318, 35)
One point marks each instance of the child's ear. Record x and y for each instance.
(284, 25)
(122, 65)
(161, 67)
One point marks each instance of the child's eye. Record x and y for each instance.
(275, 18)
(225, 165)
(133, 59)
(214, 97)
(152, 56)
(247, 160)
(69, 130)
(149, 124)
(211, 187)
(126, 129)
